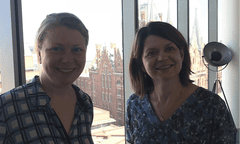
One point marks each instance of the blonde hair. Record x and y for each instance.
(60, 19)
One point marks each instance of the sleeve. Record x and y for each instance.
(224, 129)
(128, 125)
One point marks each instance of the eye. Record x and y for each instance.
(150, 53)
(170, 48)
(77, 50)
(57, 49)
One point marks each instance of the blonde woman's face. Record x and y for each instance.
(63, 56)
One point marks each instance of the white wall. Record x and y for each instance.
(6, 51)
(230, 75)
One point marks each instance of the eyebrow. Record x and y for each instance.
(152, 48)
(170, 43)
(62, 45)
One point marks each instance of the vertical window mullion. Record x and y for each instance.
(129, 16)
(129, 19)
(183, 18)
(212, 36)
(17, 41)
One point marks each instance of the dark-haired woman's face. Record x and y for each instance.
(63, 56)
(162, 59)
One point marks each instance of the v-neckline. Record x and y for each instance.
(173, 113)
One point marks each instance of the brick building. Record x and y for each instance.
(104, 81)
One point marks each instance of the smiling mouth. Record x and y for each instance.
(65, 70)
(164, 67)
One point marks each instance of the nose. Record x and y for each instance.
(67, 57)
(162, 56)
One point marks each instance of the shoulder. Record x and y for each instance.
(133, 98)
(211, 99)
(137, 102)
(203, 93)
(17, 93)
(20, 91)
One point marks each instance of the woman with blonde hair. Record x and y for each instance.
(50, 108)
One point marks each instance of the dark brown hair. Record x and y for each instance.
(141, 81)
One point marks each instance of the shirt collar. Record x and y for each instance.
(40, 98)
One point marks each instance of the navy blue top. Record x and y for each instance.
(202, 119)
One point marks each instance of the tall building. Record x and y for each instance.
(148, 12)
(196, 45)
(104, 83)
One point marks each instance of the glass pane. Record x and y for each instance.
(104, 63)
(157, 10)
(198, 34)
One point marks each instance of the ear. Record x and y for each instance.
(39, 56)
(182, 54)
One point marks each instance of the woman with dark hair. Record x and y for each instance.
(50, 109)
(166, 106)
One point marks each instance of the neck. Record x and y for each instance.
(165, 90)
(54, 91)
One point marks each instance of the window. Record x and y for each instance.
(198, 38)
(86, 85)
(118, 82)
(106, 97)
(106, 84)
(119, 103)
(103, 96)
(157, 10)
(103, 81)
(118, 92)
(94, 99)
(109, 78)
(93, 87)
(110, 98)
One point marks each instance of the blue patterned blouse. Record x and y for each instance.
(26, 117)
(202, 119)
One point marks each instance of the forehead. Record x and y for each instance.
(64, 35)
(153, 41)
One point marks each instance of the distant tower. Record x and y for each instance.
(98, 53)
(196, 35)
(150, 11)
(168, 13)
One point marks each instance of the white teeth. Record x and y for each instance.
(164, 67)
(65, 70)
